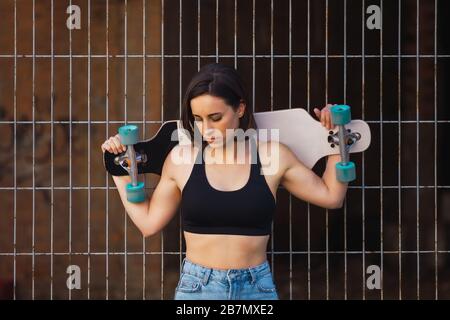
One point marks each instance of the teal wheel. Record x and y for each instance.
(136, 193)
(340, 114)
(345, 172)
(129, 134)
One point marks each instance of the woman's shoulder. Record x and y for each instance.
(180, 160)
(272, 147)
(182, 154)
(271, 152)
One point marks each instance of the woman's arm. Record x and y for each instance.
(152, 215)
(336, 188)
(303, 183)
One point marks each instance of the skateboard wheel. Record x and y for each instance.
(136, 193)
(345, 172)
(340, 114)
(129, 134)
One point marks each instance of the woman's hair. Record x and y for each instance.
(220, 81)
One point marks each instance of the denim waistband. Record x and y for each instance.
(224, 275)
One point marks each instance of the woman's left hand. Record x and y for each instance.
(324, 115)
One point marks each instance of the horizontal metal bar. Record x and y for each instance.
(196, 56)
(93, 253)
(160, 122)
(280, 187)
(81, 122)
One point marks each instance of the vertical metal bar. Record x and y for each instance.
(70, 149)
(326, 101)
(436, 275)
(417, 151)
(89, 152)
(381, 152)
(363, 162)
(52, 199)
(253, 56)
(399, 98)
(271, 108)
(34, 150)
(308, 100)
(217, 31)
(290, 106)
(15, 152)
(345, 102)
(143, 128)
(180, 101)
(198, 35)
(107, 135)
(162, 118)
(125, 106)
(235, 35)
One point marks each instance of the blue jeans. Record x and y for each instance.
(202, 283)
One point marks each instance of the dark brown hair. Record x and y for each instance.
(220, 81)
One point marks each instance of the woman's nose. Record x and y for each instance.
(207, 128)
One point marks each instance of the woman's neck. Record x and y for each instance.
(233, 150)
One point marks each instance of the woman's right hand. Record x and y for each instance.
(113, 145)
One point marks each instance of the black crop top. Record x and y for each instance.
(246, 211)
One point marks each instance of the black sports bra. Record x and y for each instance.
(246, 211)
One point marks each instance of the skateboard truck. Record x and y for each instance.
(351, 138)
(135, 190)
(340, 115)
(123, 160)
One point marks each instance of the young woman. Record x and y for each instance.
(227, 208)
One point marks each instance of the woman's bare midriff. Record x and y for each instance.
(220, 251)
(223, 251)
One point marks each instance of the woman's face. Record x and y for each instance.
(213, 117)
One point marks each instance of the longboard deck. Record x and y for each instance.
(303, 134)
(156, 150)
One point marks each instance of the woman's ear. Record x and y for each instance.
(241, 108)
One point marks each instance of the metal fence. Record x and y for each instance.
(63, 91)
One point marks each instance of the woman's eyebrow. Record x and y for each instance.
(209, 115)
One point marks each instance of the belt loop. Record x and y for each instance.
(182, 265)
(206, 276)
(253, 275)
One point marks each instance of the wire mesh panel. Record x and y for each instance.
(72, 72)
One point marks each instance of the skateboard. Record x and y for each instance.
(310, 140)
(304, 135)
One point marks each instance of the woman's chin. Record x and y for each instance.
(212, 144)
